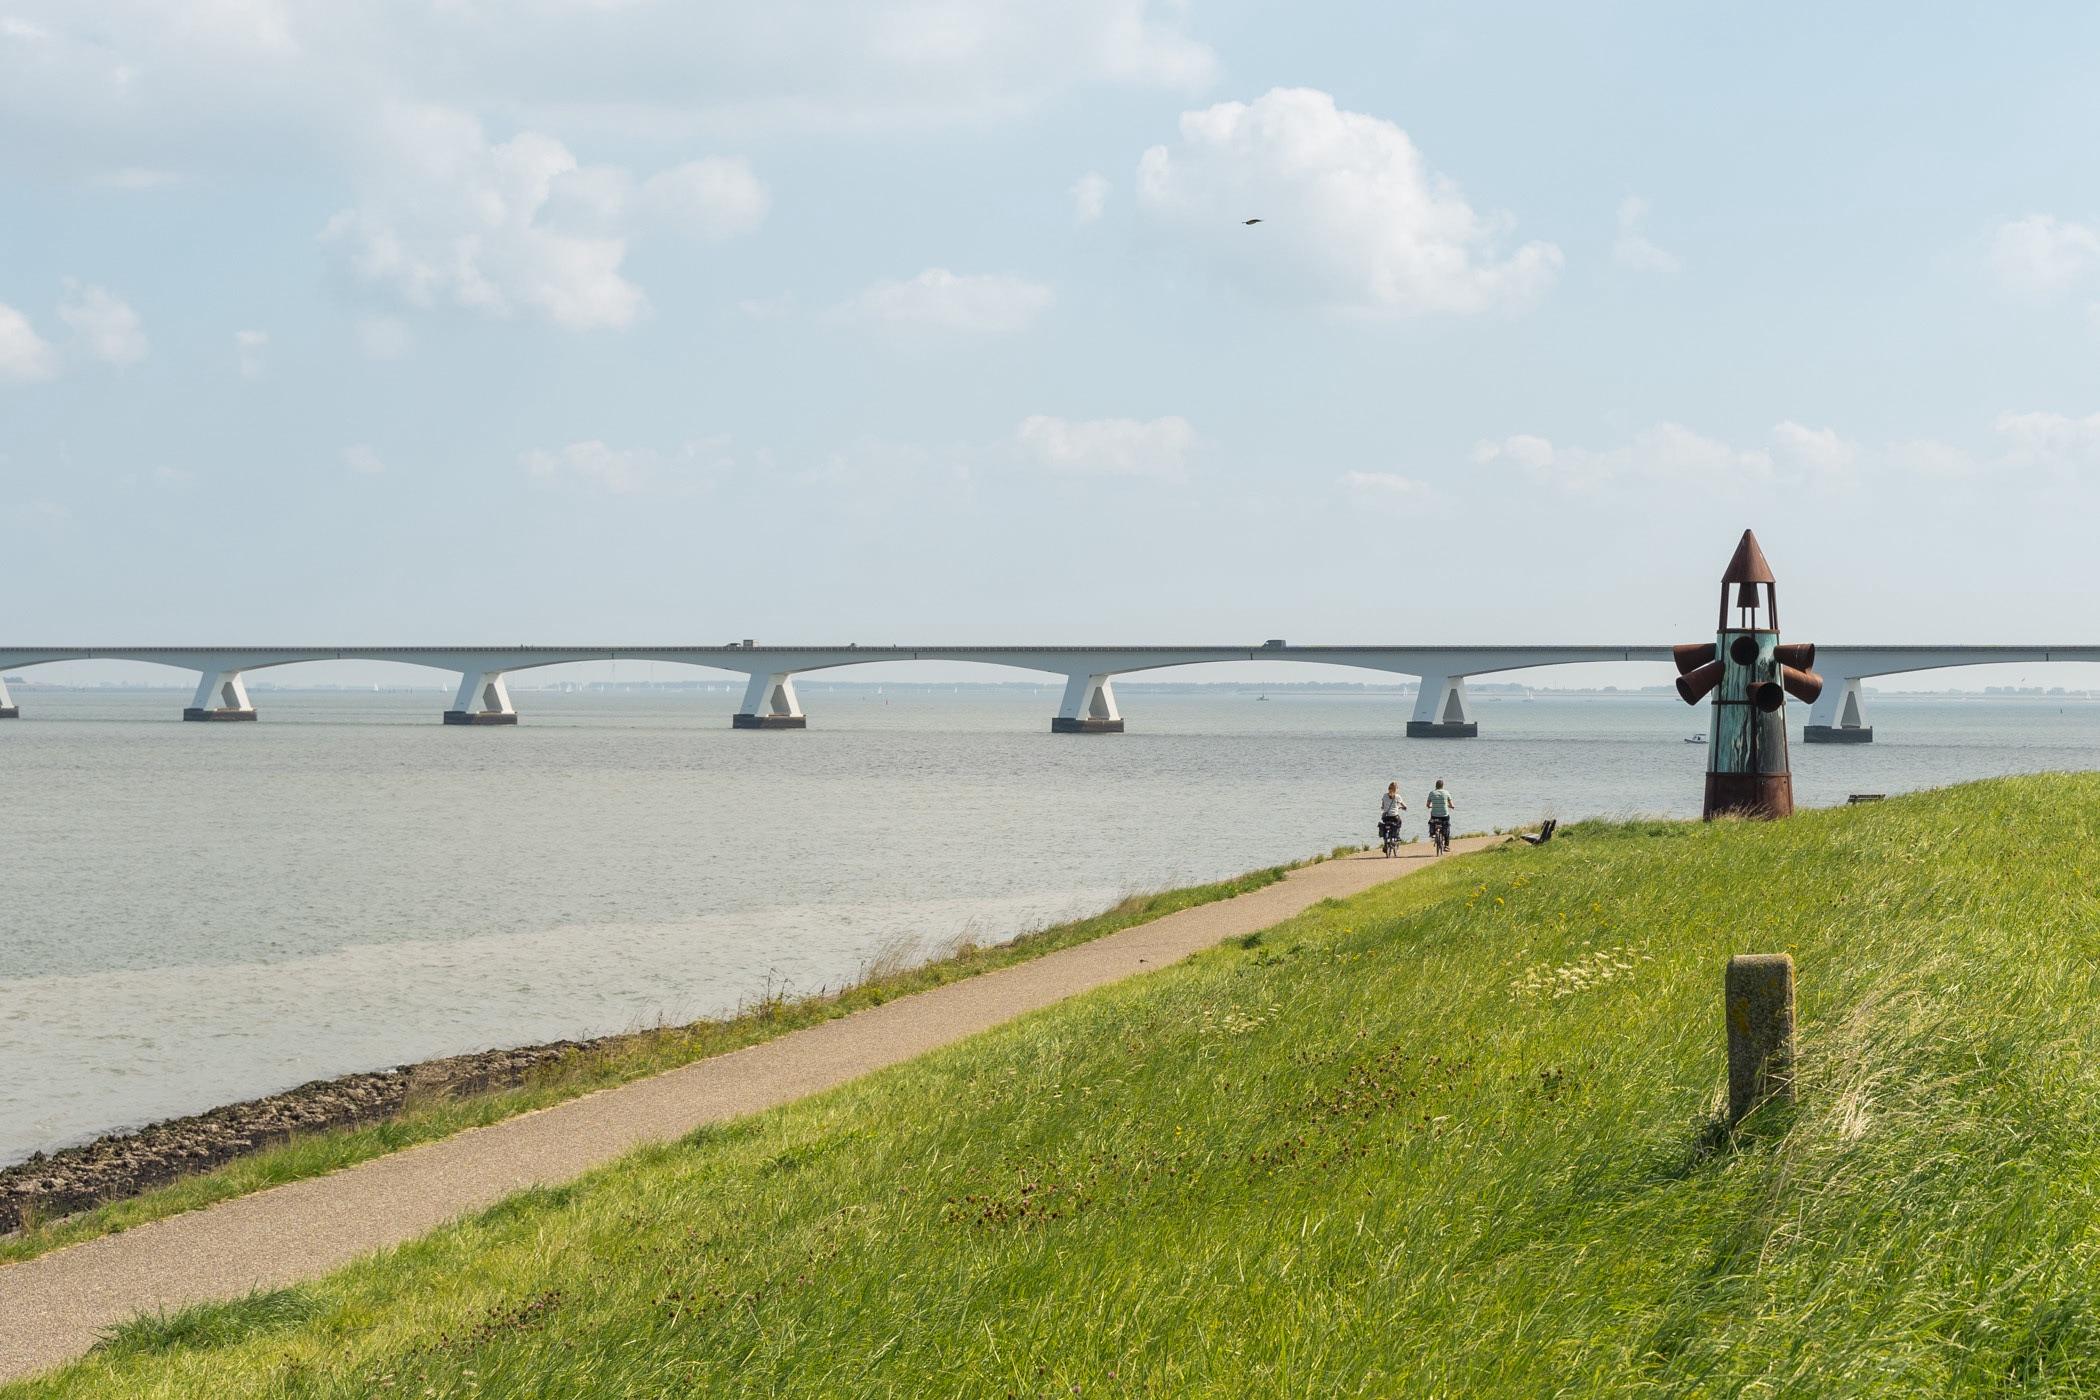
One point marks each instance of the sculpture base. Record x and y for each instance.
(192, 712)
(769, 721)
(1835, 734)
(1059, 724)
(480, 717)
(1443, 729)
(10, 712)
(1760, 795)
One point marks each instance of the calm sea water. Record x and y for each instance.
(193, 913)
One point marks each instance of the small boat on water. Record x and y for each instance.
(1696, 739)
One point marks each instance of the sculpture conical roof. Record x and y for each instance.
(1748, 565)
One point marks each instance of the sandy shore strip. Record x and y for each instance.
(55, 1306)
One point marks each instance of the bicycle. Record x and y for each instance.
(1440, 834)
(1389, 835)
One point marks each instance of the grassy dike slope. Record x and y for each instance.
(1454, 1136)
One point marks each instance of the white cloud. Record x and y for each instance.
(1354, 218)
(226, 83)
(1816, 449)
(1665, 452)
(103, 323)
(938, 300)
(629, 471)
(1926, 457)
(1798, 455)
(2056, 441)
(251, 349)
(24, 355)
(713, 199)
(1521, 448)
(1089, 196)
(499, 227)
(360, 458)
(1388, 491)
(2041, 253)
(775, 308)
(1109, 446)
(1632, 249)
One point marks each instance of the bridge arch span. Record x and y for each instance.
(1839, 714)
(1442, 707)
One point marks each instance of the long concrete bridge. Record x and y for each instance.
(1442, 708)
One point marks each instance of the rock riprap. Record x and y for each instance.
(121, 1165)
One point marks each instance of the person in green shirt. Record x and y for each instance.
(1440, 809)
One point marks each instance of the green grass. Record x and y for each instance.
(1453, 1137)
(602, 1065)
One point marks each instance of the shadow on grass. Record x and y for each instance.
(208, 1324)
(532, 1200)
(1713, 1143)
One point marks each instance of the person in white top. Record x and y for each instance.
(1389, 809)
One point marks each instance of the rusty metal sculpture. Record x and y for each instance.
(1749, 675)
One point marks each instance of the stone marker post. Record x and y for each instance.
(1760, 1005)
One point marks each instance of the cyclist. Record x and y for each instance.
(1440, 809)
(1389, 809)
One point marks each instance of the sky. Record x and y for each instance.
(630, 321)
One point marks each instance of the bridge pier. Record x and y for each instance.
(1089, 707)
(770, 702)
(483, 699)
(1835, 718)
(221, 694)
(1442, 711)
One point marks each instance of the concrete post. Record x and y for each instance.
(1836, 717)
(1760, 1005)
(483, 699)
(1089, 706)
(1441, 711)
(7, 702)
(221, 694)
(770, 702)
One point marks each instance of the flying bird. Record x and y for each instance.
(1252, 222)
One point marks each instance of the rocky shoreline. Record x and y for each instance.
(120, 1165)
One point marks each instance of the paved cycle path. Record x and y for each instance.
(55, 1306)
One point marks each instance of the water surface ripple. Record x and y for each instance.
(194, 913)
